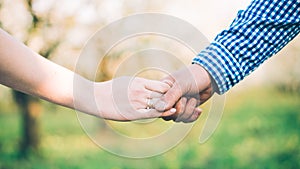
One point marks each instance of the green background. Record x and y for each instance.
(259, 129)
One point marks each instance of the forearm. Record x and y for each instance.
(256, 34)
(26, 71)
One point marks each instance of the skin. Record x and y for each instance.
(120, 99)
(186, 93)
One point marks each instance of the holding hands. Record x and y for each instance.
(192, 86)
(176, 97)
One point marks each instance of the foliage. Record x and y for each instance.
(259, 129)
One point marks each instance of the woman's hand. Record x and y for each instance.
(129, 98)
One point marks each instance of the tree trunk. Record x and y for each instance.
(30, 109)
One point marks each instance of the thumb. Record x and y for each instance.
(169, 99)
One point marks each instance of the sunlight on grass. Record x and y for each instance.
(259, 129)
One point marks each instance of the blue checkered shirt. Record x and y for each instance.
(256, 34)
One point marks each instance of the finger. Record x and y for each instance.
(195, 115)
(142, 95)
(189, 109)
(197, 97)
(169, 98)
(155, 95)
(169, 80)
(180, 108)
(141, 103)
(169, 112)
(152, 113)
(147, 99)
(157, 86)
(205, 95)
(139, 98)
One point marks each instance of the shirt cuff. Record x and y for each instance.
(221, 65)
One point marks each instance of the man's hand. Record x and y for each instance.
(190, 87)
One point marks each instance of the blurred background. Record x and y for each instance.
(261, 120)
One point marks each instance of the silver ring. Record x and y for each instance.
(149, 103)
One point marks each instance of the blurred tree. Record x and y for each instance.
(29, 106)
(51, 32)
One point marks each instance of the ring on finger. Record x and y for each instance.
(150, 104)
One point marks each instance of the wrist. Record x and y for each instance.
(85, 97)
(203, 79)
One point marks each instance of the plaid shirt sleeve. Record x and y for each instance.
(256, 34)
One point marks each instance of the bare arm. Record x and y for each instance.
(26, 71)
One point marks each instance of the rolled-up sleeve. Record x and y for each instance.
(256, 34)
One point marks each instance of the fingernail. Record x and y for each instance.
(173, 110)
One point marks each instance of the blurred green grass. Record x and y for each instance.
(259, 129)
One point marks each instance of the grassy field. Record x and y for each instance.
(259, 129)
